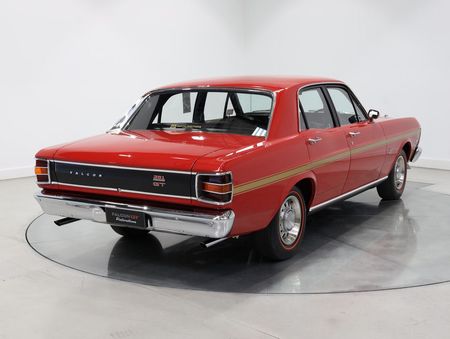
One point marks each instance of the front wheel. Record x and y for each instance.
(128, 232)
(392, 188)
(280, 240)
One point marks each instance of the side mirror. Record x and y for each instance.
(373, 114)
(352, 119)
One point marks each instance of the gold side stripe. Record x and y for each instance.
(287, 174)
(280, 176)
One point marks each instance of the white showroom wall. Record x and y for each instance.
(70, 69)
(394, 54)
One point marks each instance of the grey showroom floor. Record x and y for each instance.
(41, 299)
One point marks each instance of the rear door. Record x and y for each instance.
(365, 138)
(326, 143)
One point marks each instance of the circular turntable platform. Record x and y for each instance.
(361, 244)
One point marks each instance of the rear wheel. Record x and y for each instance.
(392, 188)
(129, 232)
(280, 240)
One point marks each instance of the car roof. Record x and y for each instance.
(270, 83)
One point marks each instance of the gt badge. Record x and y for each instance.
(159, 180)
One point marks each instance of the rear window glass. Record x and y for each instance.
(236, 112)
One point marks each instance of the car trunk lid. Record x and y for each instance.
(155, 163)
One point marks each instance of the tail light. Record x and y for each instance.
(214, 188)
(42, 171)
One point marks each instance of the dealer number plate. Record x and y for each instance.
(119, 217)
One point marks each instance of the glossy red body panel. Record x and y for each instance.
(263, 169)
(364, 166)
(171, 150)
(332, 176)
(392, 127)
(270, 83)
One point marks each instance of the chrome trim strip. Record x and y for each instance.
(147, 193)
(119, 126)
(214, 184)
(210, 201)
(216, 224)
(160, 194)
(212, 88)
(126, 191)
(122, 167)
(299, 112)
(272, 94)
(93, 187)
(348, 194)
(272, 111)
(217, 192)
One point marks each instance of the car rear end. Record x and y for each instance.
(142, 173)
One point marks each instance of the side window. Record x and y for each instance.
(251, 103)
(179, 108)
(359, 112)
(314, 108)
(214, 105)
(343, 105)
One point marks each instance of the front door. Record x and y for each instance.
(365, 138)
(327, 144)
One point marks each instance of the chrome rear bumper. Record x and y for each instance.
(417, 154)
(214, 225)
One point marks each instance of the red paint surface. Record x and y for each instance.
(249, 158)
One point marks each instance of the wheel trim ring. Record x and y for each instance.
(399, 172)
(290, 223)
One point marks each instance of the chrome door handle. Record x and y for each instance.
(314, 140)
(354, 134)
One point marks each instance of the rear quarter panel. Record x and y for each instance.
(263, 173)
(262, 177)
(398, 133)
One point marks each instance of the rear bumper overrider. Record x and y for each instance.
(217, 224)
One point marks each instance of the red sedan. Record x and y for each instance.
(227, 157)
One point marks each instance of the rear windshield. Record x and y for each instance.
(236, 112)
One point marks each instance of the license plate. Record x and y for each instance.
(118, 217)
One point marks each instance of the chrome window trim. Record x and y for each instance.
(123, 167)
(209, 201)
(299, 112)
(272, 94)
(133, 109)
(353, 100)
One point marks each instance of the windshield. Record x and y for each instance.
(220, 111)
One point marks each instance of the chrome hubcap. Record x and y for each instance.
(290, 220)
(399, 172)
